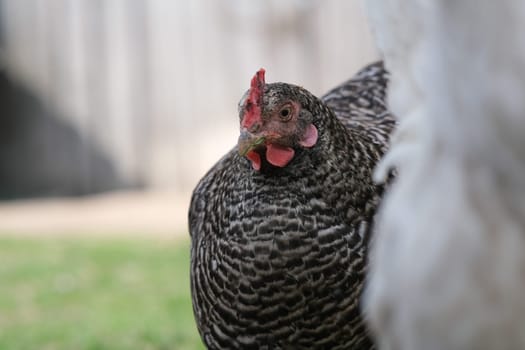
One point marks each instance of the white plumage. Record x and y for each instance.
(448, 266)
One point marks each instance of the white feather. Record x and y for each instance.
(448, 265)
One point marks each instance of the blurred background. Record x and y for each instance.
(110, 112)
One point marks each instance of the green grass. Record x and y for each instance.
(95, 294)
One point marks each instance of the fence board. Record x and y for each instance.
(153, 85)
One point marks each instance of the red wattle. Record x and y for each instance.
(279, 155)
(255, 158)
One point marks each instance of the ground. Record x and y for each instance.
(157, 214)
(75, 287)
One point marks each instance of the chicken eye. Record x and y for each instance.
(285, 113)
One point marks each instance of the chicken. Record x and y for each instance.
(280, 226)
(448, 268)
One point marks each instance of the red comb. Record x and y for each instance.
(253, 104)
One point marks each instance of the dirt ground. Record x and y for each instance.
(162, 214)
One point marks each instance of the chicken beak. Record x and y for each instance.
(248, 141)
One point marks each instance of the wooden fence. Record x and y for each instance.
(144, 93)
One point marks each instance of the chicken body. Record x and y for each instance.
(279, 255)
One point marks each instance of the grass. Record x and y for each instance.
(58, 293)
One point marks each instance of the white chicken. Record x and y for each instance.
(448, 265)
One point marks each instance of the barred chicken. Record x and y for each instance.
(280, 226)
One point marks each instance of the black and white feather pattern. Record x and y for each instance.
(279, 256)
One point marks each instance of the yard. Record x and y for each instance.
(95, 293)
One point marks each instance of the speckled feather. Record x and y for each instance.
(360, 103)
(278, 256)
